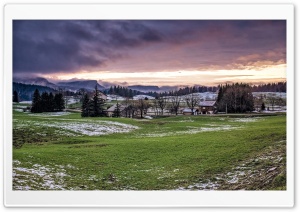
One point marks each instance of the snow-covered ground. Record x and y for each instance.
(252, 119)
(48, 114)
(191, 130)
(274, 111)
(268, 94)
(206, 96)
(19, 109)
(37, 177)
(25, 102)
(71, 100)
(142, 97)
(70, 127)
(115, 97)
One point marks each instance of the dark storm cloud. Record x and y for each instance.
(62, 46)
(42, 46)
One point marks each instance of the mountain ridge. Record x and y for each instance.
(86, 84)
(70, 85)
(36, 81)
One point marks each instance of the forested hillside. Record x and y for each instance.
(26, 91)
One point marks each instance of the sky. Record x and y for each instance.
(151, 52)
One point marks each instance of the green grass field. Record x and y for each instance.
(228, 152)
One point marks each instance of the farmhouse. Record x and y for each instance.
(102, 96)
(111, 110)
(208, 107)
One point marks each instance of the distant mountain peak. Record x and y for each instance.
(85, 84)
(35, 81)
(70, 85)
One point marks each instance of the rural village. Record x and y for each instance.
(149, 105)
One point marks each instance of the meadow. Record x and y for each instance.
(63, 151)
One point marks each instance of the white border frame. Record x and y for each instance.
(147, 198)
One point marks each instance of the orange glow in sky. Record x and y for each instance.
(151, 52)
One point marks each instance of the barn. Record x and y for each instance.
(208, 107)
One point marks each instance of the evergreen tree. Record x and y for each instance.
(92, 107)
(15, 96)
(36, 102)
(85, 112)
(98, 104)
(59, 102)
(110, 90)
(263, 107)
(130, 95)
(117, 111)
(51, 103)
(45, 102)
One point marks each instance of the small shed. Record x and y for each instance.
(207, 107)
(188, 111)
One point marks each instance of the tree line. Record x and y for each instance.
(270, 87)
(126, 92)
(184, 91)
(25, 91)
(235, 98)
(123, 91)
(47, 102)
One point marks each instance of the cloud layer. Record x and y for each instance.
(54, 47)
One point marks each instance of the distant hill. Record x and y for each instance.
(36, 81)
(152, 88)
(69, 85)
(144, 88)
(75, 85)
(26, 91)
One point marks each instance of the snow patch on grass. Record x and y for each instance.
(208, 185)
(194, 130)
(37, 177)
(18, 110)
(25, 102)
(96, 128)
(184, 120)
(78, 128)
(254, 119)
(47, 114)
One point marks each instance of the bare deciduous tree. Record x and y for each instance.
(162, 102)
(142, 106)
(175, 103)
(272, 99)
(275, 100)
(192, 101)
(155, 106)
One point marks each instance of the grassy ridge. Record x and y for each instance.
(165, 153)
